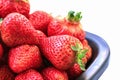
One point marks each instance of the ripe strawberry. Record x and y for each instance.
(24, 57)
(22, 6)
(62, 50)
(6, 73)
(6, 7)
(88, 47)
(51, 73)
(30, 74)
(9, 6)
(40, 20)
(17, 29)
(76, 70)
(68, 25)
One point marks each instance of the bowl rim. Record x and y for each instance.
(100, 63)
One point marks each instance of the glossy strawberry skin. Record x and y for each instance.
(51, 73)
(74, 71)
(62, 26)
(16, 30)
(89, 48)
(9, 6)
(24, 57)
(57, 49)
(6, 73)
(6, 7)
(57, 27)
(40, 20)
(30, 74)
(22, 7)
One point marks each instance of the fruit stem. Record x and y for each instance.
(22, 0)
(80, 53)
(1, 20)
(72, 17)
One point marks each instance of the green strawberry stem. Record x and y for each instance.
(1, 19)
(80, 53)
(22, 0)
(72, 17)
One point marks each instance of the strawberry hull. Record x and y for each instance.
(96, 66)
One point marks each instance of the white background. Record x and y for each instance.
(101, 17)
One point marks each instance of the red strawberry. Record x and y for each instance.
(76, 70)
(24, 57)
(22, 6)
(51, 73)
(30, 74)
(9, 6)
(40, 20)
(6, 73)
(68, 25)
(62, 50)
(17, 29)
(88, 47)
(6, 7)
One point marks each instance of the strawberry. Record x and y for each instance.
(30, 74)
(17, 29)
(40, 20)
(68, 25)
(24, 57)
(6, 7)
(88, 47)
(51, 73)
(22, 6)
(6, 73)
(76, 70)
(9, 6)
(62, 50)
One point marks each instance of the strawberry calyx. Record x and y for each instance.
(22, 0)
(1, 20)
(74, 17)
(26, 1)
(80, 53)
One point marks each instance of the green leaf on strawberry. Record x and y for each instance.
(77, 47)
(80, 53)
(78, 17)
(1, 20)
(72, 17)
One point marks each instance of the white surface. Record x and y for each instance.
(99, 16)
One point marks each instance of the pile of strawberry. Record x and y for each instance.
(39, 46)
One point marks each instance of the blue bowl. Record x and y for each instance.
(100, 58)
